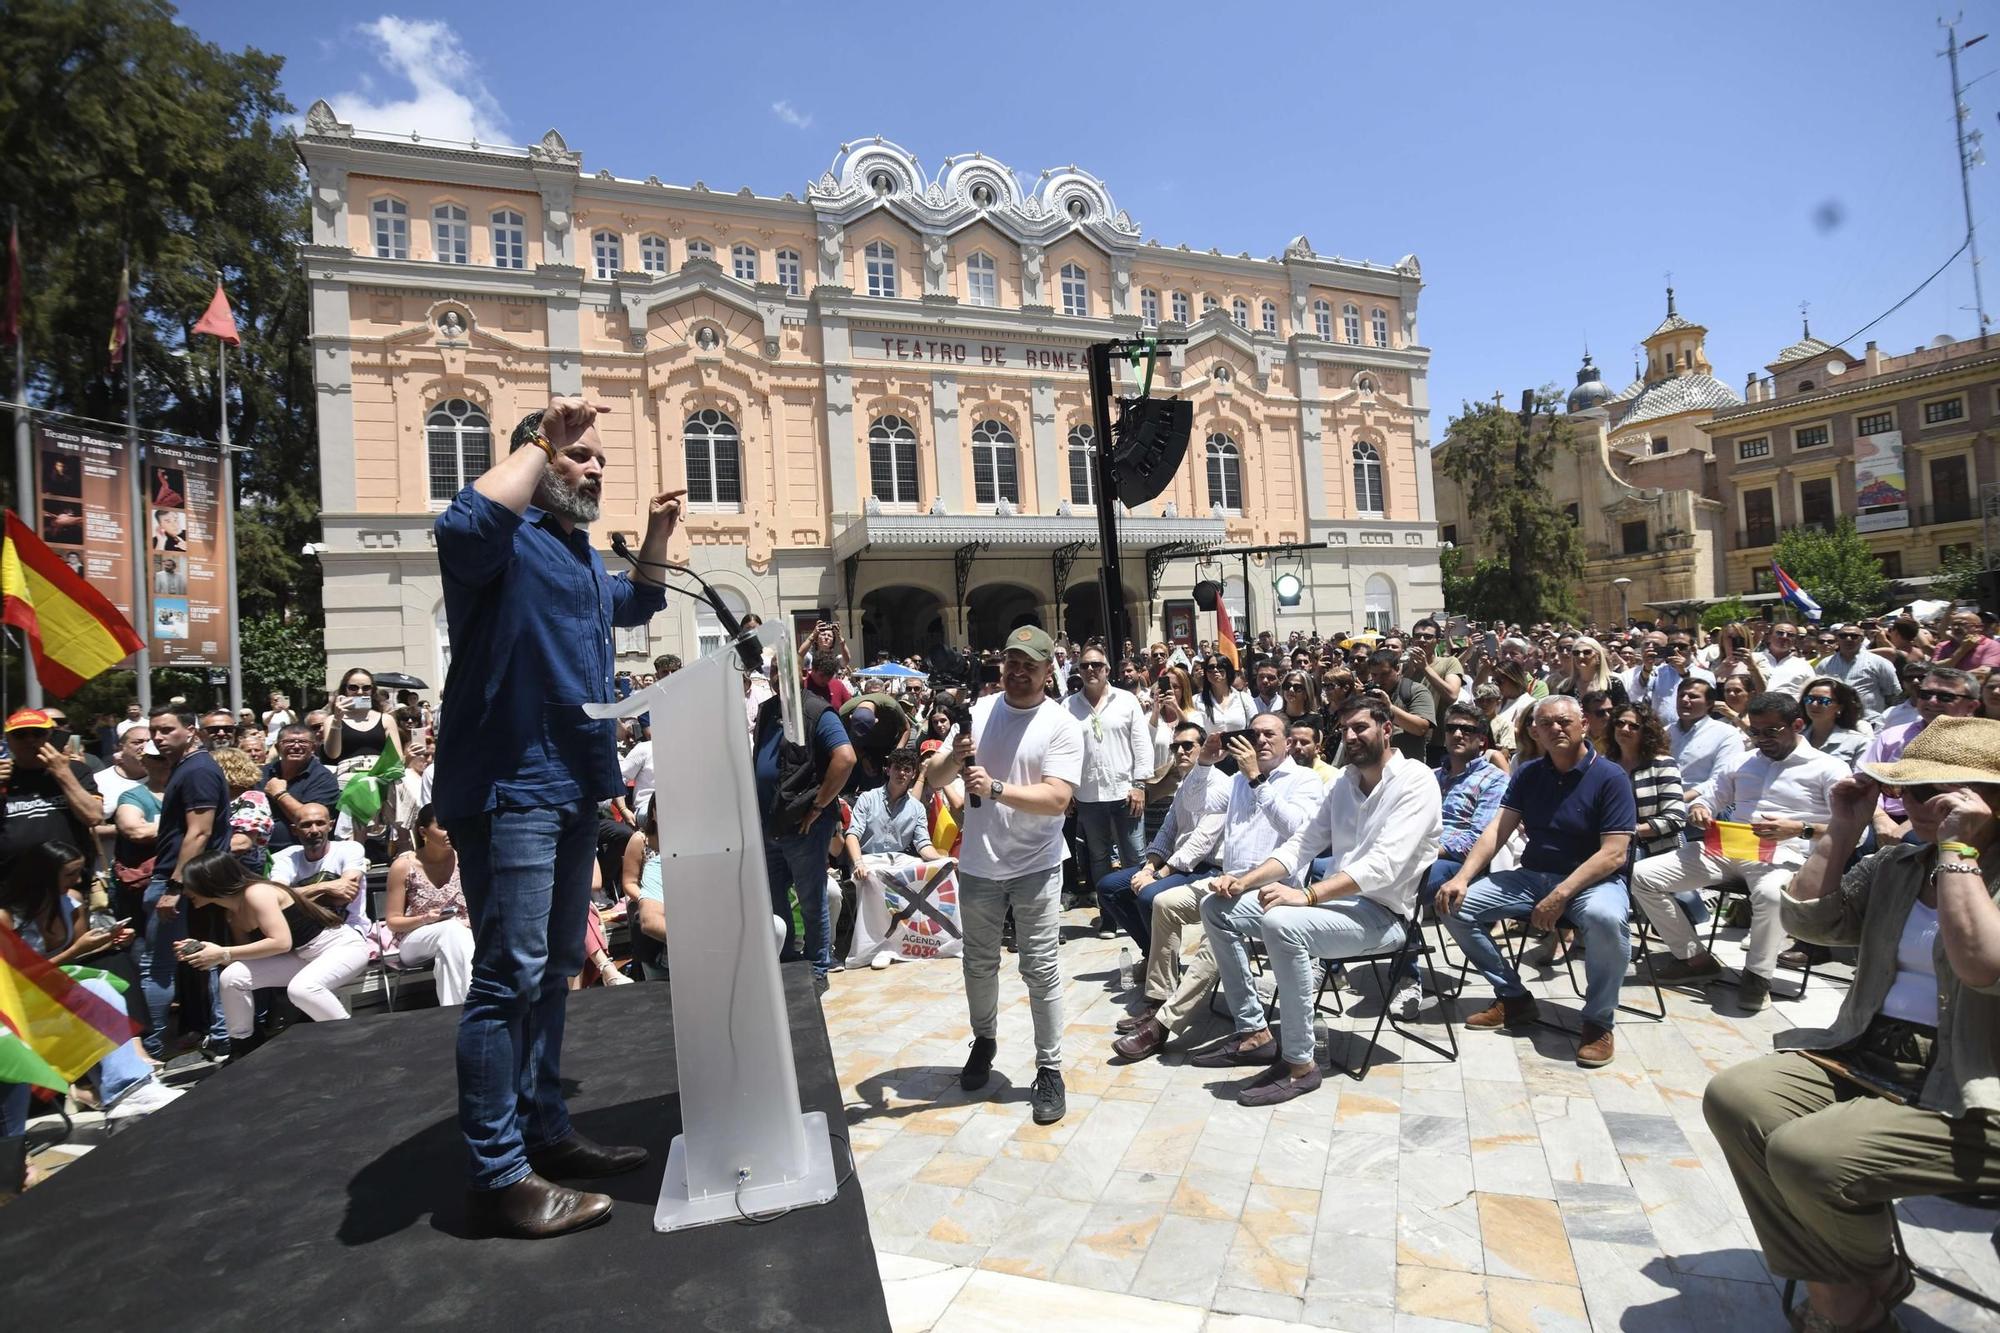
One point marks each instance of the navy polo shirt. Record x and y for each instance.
(1566, 815)
(531, 611)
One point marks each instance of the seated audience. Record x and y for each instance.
(1377, 827)
(331, 868)
(1303, 736)
(249, 820)
(1939, 692)
(1834, 725)
(1577, 808)
(425, 906)
(1701, 742)
(1899, 1096)
(1658, 790)
(888, 823)
(296, 779)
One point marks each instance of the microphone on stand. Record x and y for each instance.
(747, 650)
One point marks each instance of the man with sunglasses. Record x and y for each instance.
(1443, 674)
(1967, 645)
(1117, 765)
(48, 797)
(218, 729)
(1785, 669)
(296, 779)
(1943, 692)
(1871, 675)
(1784, 790)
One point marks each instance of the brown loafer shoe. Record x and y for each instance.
(1233, 1055)
(1273, 1091)
(533, 1209)
(579, 1158)
(1513, 1011)
(1670, 970)
(1142, 1041)
(1132, 1022)
(1597, 1048)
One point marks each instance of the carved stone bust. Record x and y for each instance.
(450, 327)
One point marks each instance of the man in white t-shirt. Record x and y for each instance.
(333, 867)
(638, 770)
(1021, 765)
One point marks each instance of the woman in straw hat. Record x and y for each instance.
(1901, 1096)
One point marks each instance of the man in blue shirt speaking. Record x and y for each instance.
(520, 771)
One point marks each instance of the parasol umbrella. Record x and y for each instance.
(397, 680)
(892, 671)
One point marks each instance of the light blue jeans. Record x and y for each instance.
(982, 908)
(1110, 832)
(1293, 937)
(1600, 913)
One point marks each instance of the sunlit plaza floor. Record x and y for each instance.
(1509, 1190)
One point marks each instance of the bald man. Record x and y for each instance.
(331, 867)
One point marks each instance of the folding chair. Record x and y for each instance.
(1964, 1293)
(1413, 946)
(1516, 947)
(1736, 888)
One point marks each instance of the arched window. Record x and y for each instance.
(714, 459)
(1149, 307)
(791, 273)
(708, 631)
(892, 461)
(459, 441)
(653, 254)
(1367, 478)
(1378, 326)
(510, 240)
(701, 250)
(995, 468)
(1323, 320)
(1350, 324)
(982, 279)
(1270, 317)
(1225, 474)
(1083, 465)
(1208, 304)
(743, 261)
(1378, 603)
(879, 259)
(1239, 313)
(451, 234)
(392, 228)
(1180, 307)
(1075, 291)
(607, 253)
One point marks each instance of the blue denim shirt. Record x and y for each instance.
(1471, 802)
(531, 611)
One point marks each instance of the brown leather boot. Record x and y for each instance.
(1597, 1048)
(1513, 1011)
(533, 1209)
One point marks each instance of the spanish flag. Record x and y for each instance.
(1736, 842)
(1225, 634)
(73, 631)
(58, 1024)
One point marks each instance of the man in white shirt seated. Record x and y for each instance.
(1703, 744)
(1783, 789)
(1785, 669)
(1183, 849)
(1266, 802)
(637, 768)
(1379, 825)
(332, 868)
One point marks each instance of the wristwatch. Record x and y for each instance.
(999, 789)
(1811, 832)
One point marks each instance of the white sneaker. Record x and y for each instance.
(144, 1099)
(881, 962)
(1407, 998)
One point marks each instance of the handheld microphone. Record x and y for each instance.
(747, 650)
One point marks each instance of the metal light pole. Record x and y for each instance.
(1624, 607)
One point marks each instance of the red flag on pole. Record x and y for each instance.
(219, 320)
(121, 318)
(12, 328)
(1225, 634)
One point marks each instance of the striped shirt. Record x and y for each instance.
(1658, 793)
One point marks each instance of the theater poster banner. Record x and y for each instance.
(1881, 492)
(184, 557)
(85, 509)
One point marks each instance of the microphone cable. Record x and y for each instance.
(747, 652)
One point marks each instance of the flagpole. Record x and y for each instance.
(24, 445)
(142, 607)
(233, 610)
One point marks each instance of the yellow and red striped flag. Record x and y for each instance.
(1225, 634)
(74, 632)
(58, 1022)
(1737, 842)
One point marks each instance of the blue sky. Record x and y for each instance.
(1549, 164)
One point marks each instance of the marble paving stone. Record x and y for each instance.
(1432, 1293)
(1294, 1154)
(1002, 1303)
(1353, 1268)
(1434, 1133)
(982, 1134)
(951, 1168)
(1167, 1138)
(1349, 1316)
(1604, 1212)
(1109, 1246)
(1185, 1260)
(1440, 1235)
(1577, 1143)
(1251, 1323)
(918, 1291)
(1272, 1250)
(1036, 1237)
(1692, 1226)
(1352, 1156)
(1524, 1238)
(1358, 1206)
(1369, 1112)
(1255, 1301)
(1648, 1136)
(1210, 1195)
(1013, 1180)
(1141, 1189)
(1514, 1306)
(1433, 1101)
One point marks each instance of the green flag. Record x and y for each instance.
(18, 1064)
(361, 796)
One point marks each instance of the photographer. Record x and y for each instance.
(1409, 701)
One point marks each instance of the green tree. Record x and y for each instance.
(1958, 577)
(1503, 459)
(122, 132)
(281, 654)
(1734, 611)
(1837, 568)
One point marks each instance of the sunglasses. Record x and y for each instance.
(357, 689)
(1182, 747)
(1628, 724)
(1820, 701)
(1919, 793)
(1294, 686)
(1463, 729)
(1094, 666)
(1766, 733)
(1940, 696)
(1602, 712)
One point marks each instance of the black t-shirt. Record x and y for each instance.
(36, 811)
(315, 785)
(196, 784)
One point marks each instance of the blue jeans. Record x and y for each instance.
(526, 876)
(1133, 912)
(1434, 879)
(1110, 832)
(798, 863)
(158, 965)
(1292, 937)
(1600, 913)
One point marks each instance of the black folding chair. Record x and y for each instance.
(1736, 888)
(1412, 948)
(1964, 1293)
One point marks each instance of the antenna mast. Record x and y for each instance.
(1969, 155)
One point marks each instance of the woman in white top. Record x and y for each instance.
(1218, 707)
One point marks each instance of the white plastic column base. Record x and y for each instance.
(677, 1212)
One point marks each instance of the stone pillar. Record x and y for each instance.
(333, 389)
(947, 450)
(1047, 448)
(1420, 405)
(843, 487)
(565, 353)
(1312, 444)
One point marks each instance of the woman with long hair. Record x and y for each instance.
(1218, 705)
(355, 728)
(1295, 697)
(1639, 742)
(278, 938)
(1734, 705)
(425, 907)
(1590, 669)
(1833, 719)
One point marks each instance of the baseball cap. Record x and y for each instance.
(151, 751)
(30, 719)
(1032, 642)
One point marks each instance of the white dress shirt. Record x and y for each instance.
(1117, 744)
(1786, 677)
(1704, 749)
(1799, 786)
(1193, 827)
(1262, 818)
(1232, 714)
(1382, 840)
(1872, 676)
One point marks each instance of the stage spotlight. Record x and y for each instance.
(1288, 588)
(1149, 440)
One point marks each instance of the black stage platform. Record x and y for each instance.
(319, 1184)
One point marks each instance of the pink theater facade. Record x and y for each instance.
(875, 395)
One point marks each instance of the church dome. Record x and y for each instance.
(1590, 390)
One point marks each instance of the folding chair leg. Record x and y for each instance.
(1644, 960)
(1938, 1280)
